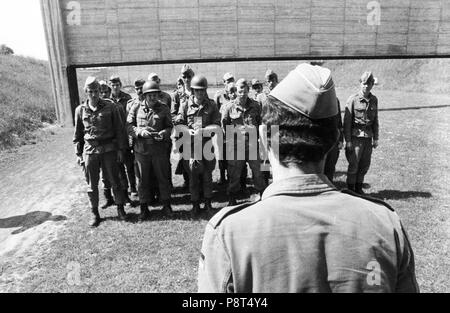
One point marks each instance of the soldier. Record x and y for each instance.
(100, 140)
(304, 235)
(361, 132)
(164, 96)
(242, 113)
(198, 112)
(221, 96)
(186, 75)
(127, 168)
(150, 124)
(257, 88)
(271, 82)
(333, 155)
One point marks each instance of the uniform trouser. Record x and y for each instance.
(235, 171)
(358, 159)
(153, 171)
(330, 162)
(107, 162)
(127, 173)
(200, 176)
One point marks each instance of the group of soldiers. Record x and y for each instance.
(128, 140)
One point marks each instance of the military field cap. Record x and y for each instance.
(187, 69)
(309, 90)
(228, 76)
(91, 83)
(103, 85)
(256, 82)
(153, 76)
(242, 81)
(367, 77)
(270, 73)
(139, 83)
(115, 79)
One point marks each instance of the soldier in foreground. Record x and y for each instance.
(361, 132)
(150, 124)
(100, 140)
(304, 235)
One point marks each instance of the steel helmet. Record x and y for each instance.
(199, 82)
(150, 86)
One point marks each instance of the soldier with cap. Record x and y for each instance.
(361, 132)
(127, 168)
(244, 116)
(198, 112)
(100, 140)
(221, 96)
(271, 82)
(305, 235)
(150, 124)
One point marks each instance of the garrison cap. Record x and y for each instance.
(139, 83)
(153, 76)
(367, 77)
(103, 85)
(91, 83)
(187, 69)
(270, 73)
(115, 79)
(256, 82)
(309, 90)
(228, 76)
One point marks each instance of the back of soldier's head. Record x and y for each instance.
(303, 106)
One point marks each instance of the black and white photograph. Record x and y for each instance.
(201, 147)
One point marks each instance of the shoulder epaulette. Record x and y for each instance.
(227, 211)
(371, 199)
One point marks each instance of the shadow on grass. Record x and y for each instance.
(398, 195)
(29, 220)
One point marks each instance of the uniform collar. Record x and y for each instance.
(119, 97)
(304, 185)
(100, 104)
(361, 96)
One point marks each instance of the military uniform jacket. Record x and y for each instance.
(142, 117)
(305, 236)
(361, 117)
(99, 131)
(122, 99)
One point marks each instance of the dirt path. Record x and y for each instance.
(38, 184)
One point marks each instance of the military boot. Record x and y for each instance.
(208, 206)
(95, 218)
(167, 209)
(195, 209)
(351, 187)
(145, 213)
(359, 189)
(121, 212)
(109, 198)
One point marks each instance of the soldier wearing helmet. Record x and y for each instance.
(150, 124)
(361, 132)
(164, 97)
(100, 140)
(198, 112)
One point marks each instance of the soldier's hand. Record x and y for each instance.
(146, 134)
(348, 145)
(119, 156)
(80, 160)
(375, 144)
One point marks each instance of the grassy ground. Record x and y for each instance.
(409, 170)
(26, 100)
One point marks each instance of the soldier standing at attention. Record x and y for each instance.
(361, 132)
(241, 113)
(150, 124)
(100, 140)
(304, 235)
(127, 168)
(197, 113)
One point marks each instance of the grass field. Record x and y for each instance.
(409, 170)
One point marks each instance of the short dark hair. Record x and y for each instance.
(301, 139)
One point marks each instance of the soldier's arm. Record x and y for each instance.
(348, 120)
(168, 125)
(175, 106)
(406, 280)
(214, 272)
(119, 127)
(78, 137)
(375, 126)
(132, 128)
